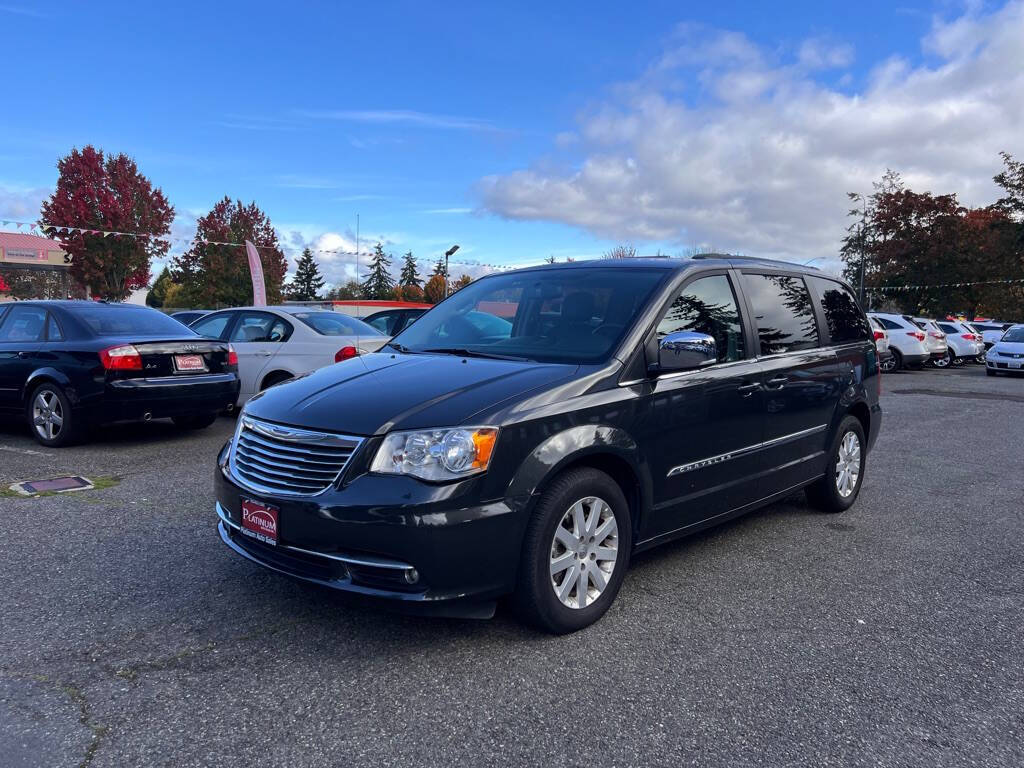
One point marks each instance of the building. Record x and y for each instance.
(21, 253)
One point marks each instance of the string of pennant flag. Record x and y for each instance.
(945, 285)
(54, 230)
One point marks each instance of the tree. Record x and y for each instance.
(308, 281)
(157, 294)
(216, 274)
(409, 276)
(348, 292)
(378, 283)
(461, 283)
(621, 252)
(433, 291)
(440, 269)
(174, 297)
(108, 194)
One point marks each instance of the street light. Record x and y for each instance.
(447, 254)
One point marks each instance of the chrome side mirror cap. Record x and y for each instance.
(686, 350)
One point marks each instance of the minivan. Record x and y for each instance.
(618, 404)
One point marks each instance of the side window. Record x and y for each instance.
(53, 331)
(260, 326)
(707, 305)
(842, 315)
(23, 324)
(888, 324)
(212, 326)
(782, 312)
(948, 329)
(386, 323)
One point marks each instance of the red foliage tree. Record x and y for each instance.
(433, 291)
(108, 193)
(218, 275)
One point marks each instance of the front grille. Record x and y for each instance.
(296, 462)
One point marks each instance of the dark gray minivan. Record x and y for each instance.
(529, 434)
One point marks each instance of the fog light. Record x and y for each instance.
(411, 576)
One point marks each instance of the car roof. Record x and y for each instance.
(677, 264)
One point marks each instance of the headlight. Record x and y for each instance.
(436, 454)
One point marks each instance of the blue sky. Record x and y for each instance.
(510, 129)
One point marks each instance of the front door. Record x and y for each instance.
(703, 427)
(256, 337)
(21, 334)
(800, 377)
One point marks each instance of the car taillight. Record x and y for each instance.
(232, 356)
(879, 335)
(936, 335)
(919, 335)
(121, 358)
(345, 353)
(969, 336)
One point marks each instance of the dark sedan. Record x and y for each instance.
(71, 365)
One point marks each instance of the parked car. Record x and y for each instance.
(392, 321)
(990, 330)
(935, 340)
(906, 341)
(1007, 354)
(71, 365)
(885, 358)
(189, 316)
(630, 402)
(963, 343)
(275, 344)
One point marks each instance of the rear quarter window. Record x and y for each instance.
(783, 313)
(843, 317)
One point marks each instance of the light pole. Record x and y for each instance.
(448, 254)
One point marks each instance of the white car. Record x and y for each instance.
(990, 330)
(906, 341)
(881, 344)
(1007, 354)
(275, 344)
(964, 344)
(935, 339)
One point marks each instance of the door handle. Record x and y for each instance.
(23, 355)
(777, 382)
(746, 390)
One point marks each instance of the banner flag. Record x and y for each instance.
(259, 288)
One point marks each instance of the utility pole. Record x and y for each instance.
(357, 258)
(447, 254)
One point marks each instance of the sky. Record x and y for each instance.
(521, 130)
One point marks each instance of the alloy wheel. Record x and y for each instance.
(47, 414)
(584, 551)
(848, 464)
(944, 362)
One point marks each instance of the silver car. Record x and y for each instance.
(935, 340)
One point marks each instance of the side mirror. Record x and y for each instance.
(686, 350)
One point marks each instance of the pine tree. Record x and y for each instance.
(409, 274)
(308, 281)
(156, 295)
(439, 269)
(379, 282)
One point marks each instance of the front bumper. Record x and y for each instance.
(165, 396)
(372, 534)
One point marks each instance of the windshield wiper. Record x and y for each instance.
(400, 347)
(463, 352)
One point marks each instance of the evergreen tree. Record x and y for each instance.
(379, 282)
(308, 281)
(409, 274)
(439, 269)
(157, 294)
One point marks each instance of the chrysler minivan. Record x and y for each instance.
(603, 408)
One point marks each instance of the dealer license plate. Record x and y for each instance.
(259, 521)
(189, 363)
(1014, 364)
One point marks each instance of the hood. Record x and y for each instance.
(1009, 347)
(373, 394)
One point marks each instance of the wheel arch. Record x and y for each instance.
(275, 376)
(47, 375)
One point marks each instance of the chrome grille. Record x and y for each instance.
(286, 460)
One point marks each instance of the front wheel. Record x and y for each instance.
(575, 552)
(837, 489)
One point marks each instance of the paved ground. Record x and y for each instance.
(891, 635)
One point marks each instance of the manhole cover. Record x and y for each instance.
(53, 485)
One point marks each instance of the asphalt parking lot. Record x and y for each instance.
(890, 635)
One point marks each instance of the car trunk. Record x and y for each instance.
(171, 358)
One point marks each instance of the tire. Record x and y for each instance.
(194, 420)
(272, 379)
(945, 362)
(58, 425)
(890, 363)
(989, 372)
(828, 493)
(897, 361)
(535, 598)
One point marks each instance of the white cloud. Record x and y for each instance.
(448, 210)
(722, 142)
(22, 203)
(400, 116)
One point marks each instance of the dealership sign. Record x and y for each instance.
(24, 254)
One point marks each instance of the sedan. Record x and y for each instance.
(1007, 354)
(71, 365)
(275, 344)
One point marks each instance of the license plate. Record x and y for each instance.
(1014, 365)
(259, 521)
(189, 363)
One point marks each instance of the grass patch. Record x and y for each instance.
(99, 483)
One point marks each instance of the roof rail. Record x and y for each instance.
(735, 257)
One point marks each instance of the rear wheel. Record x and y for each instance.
(194, 420)
(50, 417)
(889, 364)
(989, 372)
(896, 363)
(946, 360)
(575, 552)
(837, 489)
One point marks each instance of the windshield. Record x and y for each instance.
(128, 320)
(333, 324)
(570, 315)
(1014, 334)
